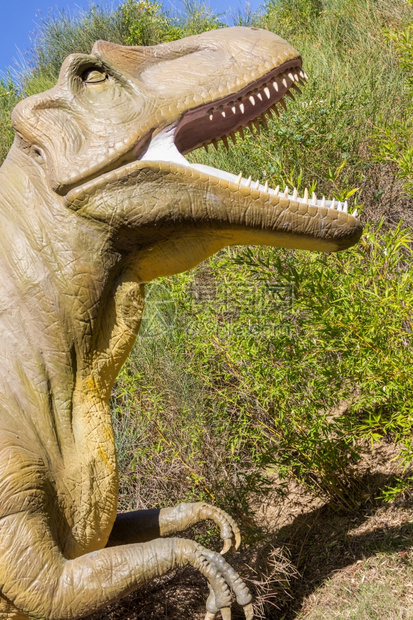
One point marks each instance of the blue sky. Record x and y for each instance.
(18, 20)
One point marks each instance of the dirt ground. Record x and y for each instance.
(312, 559)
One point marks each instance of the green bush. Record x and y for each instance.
(148, 23)
(266, 358)
(314, 351)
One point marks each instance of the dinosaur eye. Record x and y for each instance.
(92, 76)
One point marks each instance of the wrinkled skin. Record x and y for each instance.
(96, 200)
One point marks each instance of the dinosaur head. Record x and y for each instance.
(111, 136)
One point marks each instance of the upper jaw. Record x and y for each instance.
(219, 119)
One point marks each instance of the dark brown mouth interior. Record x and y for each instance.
(223, 118)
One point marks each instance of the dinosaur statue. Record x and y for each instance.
(97, 198)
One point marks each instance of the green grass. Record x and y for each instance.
(173, 435)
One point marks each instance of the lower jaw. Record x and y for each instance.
(162, 148)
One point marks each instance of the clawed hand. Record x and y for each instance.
(229, 578)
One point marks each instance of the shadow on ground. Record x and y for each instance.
(324, 541)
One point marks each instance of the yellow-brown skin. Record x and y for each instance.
(84, 226)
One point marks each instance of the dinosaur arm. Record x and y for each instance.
(43, 584)
(135, 526)
(144, 525)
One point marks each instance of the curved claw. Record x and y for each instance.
(227, 546)
(226, 613)
(249, 612)
(237, 536)
(228, 526)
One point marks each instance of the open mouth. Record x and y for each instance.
(222, 120)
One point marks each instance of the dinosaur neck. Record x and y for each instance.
(78, 301)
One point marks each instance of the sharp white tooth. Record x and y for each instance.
(266, 187)
(242, 108)
(277, 190)
(275, 85)
(234, 109)
(305, 75)
(211, 116)
(251, 98)
(295, 194)
(333, 204)
(323, 201)
(305, 197)
(249, 182)
(284, 81)
(286, 191)
(314, 199)
(267, 92)
(345, 207)
(339, 206)
(290, 75)
(257, 185)
(296, 78)
(239, 177)
(259, 96)
(355, 213)
(223, 112)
